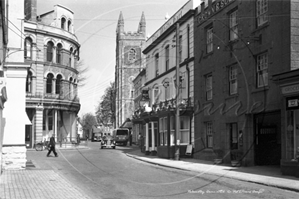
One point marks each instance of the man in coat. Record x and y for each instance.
(52, 146)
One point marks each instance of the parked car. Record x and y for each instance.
(108, 142)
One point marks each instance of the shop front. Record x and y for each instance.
(289, 92)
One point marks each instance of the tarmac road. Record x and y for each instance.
(109, 173)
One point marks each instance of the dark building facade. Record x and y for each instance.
(240, 47)
(128, 65)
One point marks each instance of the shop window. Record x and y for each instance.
(163, 131)
(293, 134)
(172, 132)
(184, 130)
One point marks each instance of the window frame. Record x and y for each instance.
(208, 88)
(167, 57)
(180, 49)
(233, 25)
(209, 134)
(59, 53)
(209, 39)
(233, 135)
(29, 82)
(262, 65)
(156, 62)
(262, 8)
(50, 47)
(28, 48)
(49, 83)
(233, 80)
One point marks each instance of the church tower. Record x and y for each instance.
(129, 60)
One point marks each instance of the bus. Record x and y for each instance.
(121, 136)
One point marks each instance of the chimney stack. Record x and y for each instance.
(30, 10)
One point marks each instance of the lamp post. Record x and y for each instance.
(176, 136)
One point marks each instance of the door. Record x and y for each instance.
(267, 139)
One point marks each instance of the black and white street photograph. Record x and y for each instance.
(161, 99)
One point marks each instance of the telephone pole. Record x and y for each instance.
(177, 116)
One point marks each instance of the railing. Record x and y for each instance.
(52, 96)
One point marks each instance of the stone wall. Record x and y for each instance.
(13, 157)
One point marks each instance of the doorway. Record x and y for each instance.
(267, 139)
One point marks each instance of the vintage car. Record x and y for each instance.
(108, 142)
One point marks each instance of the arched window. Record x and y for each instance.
(58, 84)
(63, 22)
(156, 94)
(70, 58)
(131, 55)
(166, 85)
(29, 82)
(49, 83)
(71, 87)
(28, 48)
(69, 25)
(49, 51)
(59, 53)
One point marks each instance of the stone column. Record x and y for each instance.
(153, 137)
(147, 138)
(14, 147)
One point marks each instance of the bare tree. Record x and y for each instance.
(82, 70)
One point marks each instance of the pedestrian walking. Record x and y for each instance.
(52, 146)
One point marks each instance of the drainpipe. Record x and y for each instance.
(188, 95)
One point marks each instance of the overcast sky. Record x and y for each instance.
(95, 26)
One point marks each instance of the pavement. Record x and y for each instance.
(265, 175)
(47, 184)
(32, 183)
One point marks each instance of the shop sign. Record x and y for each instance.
(214, 9)
(292, 103)
(290, 89)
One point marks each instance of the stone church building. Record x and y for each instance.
(128, 65)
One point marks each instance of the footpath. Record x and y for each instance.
(32, 183)
(265, 175)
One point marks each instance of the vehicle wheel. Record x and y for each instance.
(101, 147)
(114, 147)
(38, 147)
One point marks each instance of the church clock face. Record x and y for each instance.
(132, 54)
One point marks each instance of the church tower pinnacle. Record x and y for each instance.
(120, 26)
(142, 25)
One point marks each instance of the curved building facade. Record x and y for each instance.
(52, 50)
